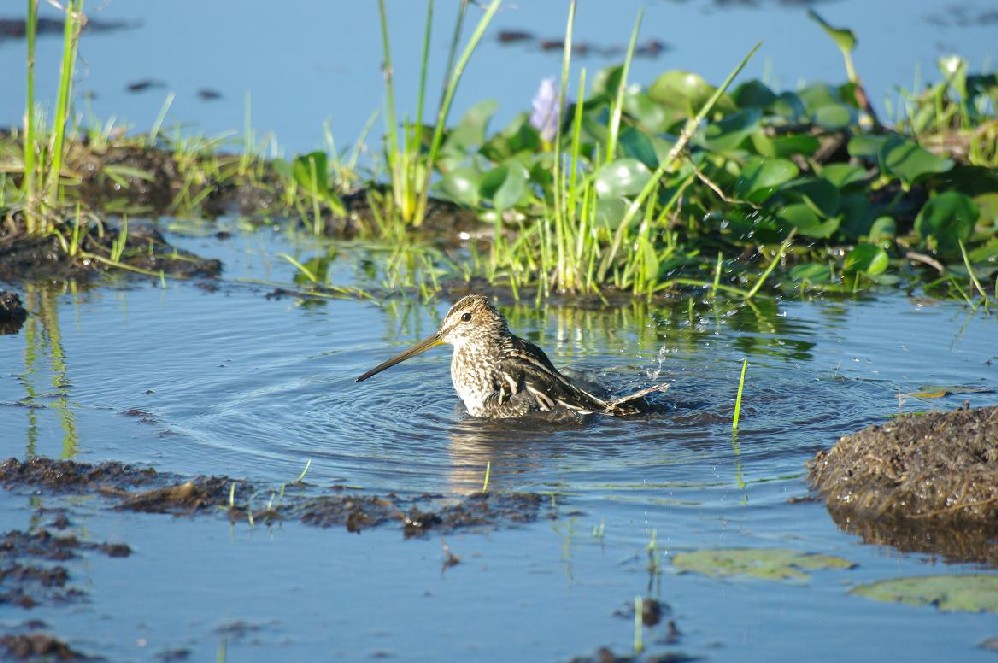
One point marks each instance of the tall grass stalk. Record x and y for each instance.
(30, 141)
(738, 397)
(409, 168)
(692, 125)
(454, 78)
(74, 23)
(43, 162)
(772, 264)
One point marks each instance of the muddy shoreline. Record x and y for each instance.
(921, 483)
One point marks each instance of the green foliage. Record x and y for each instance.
(44, 152)
(410, 163)
(681, 183)
(947, 220)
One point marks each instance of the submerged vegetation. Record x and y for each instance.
(738, 190)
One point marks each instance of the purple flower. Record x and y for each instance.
(545, 115)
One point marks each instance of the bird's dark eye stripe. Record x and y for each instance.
(466, 316)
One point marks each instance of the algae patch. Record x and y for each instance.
(761, 563)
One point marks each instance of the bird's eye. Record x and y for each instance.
(466, 317)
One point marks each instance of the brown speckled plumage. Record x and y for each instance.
(498, 374)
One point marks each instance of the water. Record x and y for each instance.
(227, 381)
(322, 61)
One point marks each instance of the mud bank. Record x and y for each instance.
(924, 483)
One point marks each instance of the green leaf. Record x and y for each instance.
(883, 229)
(622, 177)
(516, 138)
(649, 114)
(856, 214)
(788, 106)
(843, 38)
(802, 217)
(637, 145)
(462, 186)
(760, 176)
(946, 220)
(760, 563)
(843, 174)
(311, 172)
(470, 131)
(812, 273)
(833, 117)
(753, 94)
(607, 80)
(866, 146)
(505, 185)
(729, 133)
(819, 193)
(949, 593)
(908, 161)
(824, 107)
(866, 258)
(686, 92)
(650, 258)
(610, 211)
(785, 146)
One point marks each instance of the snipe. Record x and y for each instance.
(498, 374)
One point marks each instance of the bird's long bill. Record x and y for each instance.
(422, 346)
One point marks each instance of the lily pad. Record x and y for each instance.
(965, 593)
(761, 563)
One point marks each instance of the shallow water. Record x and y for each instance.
(225, 380)
(322, 61)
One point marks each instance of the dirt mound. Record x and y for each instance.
(925, 482)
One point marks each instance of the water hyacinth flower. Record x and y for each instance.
(546, 109)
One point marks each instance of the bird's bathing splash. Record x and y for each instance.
(498, 374)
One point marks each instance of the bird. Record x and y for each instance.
(500, 375)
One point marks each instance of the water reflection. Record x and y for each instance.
(45, 362)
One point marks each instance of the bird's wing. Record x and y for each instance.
(526, 369)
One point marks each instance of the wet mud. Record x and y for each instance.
(606, 655)
(24, 258)
(921, 483)
(146, 490)
(149, 183)
(12, 312)
(38, 647)
(37, 566)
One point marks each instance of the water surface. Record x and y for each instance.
(321, 61)
(225, 380)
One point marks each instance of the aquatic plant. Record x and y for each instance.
(409, 165)
(44, 151)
